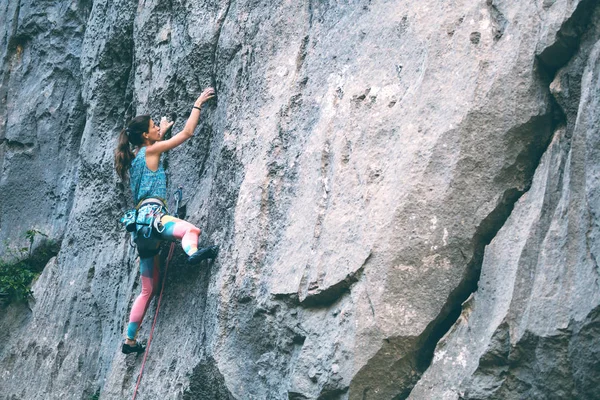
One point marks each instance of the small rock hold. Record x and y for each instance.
(335, 368)
(398, 70)
(312, 374)
(475, 37)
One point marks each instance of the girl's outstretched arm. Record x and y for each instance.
(159, 147)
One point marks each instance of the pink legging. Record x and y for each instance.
(174, 229)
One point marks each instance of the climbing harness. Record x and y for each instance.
(143, 221)
(148, 228)
(178, 197)
(148, 218)
(128, 220)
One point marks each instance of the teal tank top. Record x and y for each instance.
(144, 182)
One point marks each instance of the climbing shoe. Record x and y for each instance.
(203, 254)
(136, 348)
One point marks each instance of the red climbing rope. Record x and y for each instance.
(154, 322)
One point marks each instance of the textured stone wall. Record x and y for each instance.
(42, 114)
(366, 167)
(531, 328)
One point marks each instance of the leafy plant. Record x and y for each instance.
(24, 265)
(15, 280)
(30, 236)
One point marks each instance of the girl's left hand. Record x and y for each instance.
(165, 125)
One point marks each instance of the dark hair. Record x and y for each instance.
(130, 135)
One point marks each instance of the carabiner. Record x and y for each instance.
(178, 196)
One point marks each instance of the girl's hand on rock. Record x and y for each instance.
(165, 125)
(207, 94)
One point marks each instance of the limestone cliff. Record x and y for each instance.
(405, 195)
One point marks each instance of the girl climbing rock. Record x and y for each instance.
(149, 187)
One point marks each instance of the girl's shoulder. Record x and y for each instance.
(140, 152)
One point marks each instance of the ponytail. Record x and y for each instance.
(130, 135)
(123, 155)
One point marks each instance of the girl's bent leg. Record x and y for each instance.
(149, 274)
(178, 229)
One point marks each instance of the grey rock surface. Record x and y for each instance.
(530, 330)
(357, 160)
(42, 115)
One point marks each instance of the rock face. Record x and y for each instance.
(531, 328)
(366, 168)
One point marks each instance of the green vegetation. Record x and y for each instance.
(23, 265)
